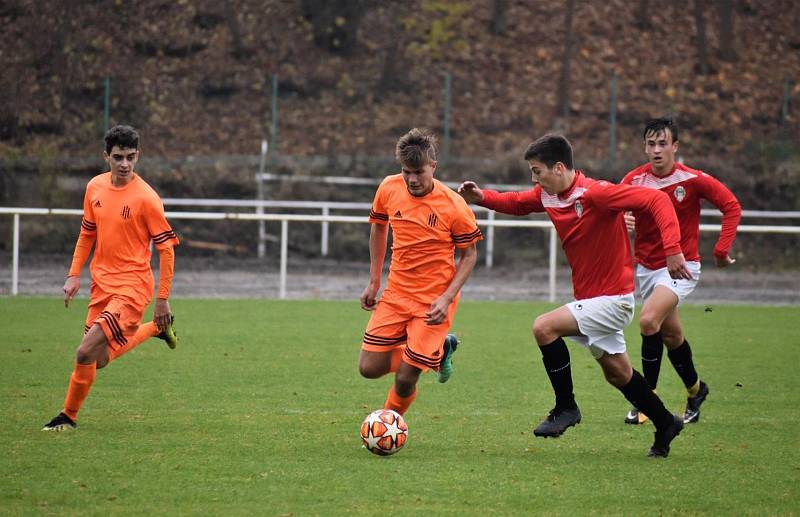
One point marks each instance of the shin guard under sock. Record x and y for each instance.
(652, 352)
(642, 397)
(681, 359)
(80, 383)
(555, 357)
(398, 403)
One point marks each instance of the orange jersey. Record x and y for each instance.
(123, 221)
(425, 232)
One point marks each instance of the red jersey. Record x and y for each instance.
(686, 188)
(425, 232)
(588, 217)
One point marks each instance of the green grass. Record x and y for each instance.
(257, 412)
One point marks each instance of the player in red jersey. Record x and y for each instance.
(588, 216)
(121, 216)
(407, 332)
(659, 321)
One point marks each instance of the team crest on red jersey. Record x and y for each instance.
(578, 208)
(680, 193)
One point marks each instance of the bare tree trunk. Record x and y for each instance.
(701, 42)
(727, 43)
(239, 50)
(499, 23)
(562, 95)
(642, 19)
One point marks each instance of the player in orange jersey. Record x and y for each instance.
(408, 330)
(121, 216)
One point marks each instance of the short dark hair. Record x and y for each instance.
(123, 136)
(416, 148)
(657, 125)
(550, 149)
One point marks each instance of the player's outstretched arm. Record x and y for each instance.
(471, 193)
(438, 310)
(378, 236)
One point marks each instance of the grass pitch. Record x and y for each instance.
(257, 412)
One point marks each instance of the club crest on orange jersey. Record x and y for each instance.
(680, 193)
(126, 212)
(578, 208)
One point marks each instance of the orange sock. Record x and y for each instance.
(398, 403)
(397, 357)
(80, 383)
(143, 333)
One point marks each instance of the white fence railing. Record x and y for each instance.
(284, 219)
(325, 208)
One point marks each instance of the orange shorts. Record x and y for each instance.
(399, 321)
(118, 316)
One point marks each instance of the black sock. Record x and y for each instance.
(642, 397)
(652, 352)
(681, 359)
(555, 357)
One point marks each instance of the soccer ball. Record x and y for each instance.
(384, 432)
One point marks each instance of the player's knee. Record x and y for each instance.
(616, 379)
(543, 331)
(88, 354)
(405, 384)
(369, 371)
(649, 324)
(672, 340)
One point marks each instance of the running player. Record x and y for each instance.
(121, 216)
(588, 216)
(659, 322)
(407, 332)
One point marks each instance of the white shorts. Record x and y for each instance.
(648, 279)
(601, 321)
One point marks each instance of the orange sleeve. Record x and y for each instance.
(465, 231)
(166, 270)
(160, 231)
(82, 249)
(86, 237)
(378, 214)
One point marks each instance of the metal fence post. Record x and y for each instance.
(612, 137)
(284, 257)
(786, 96)
(553, 243)
(490, 240)
(448, 81)
(274, 125)
(326, 211)
(15, 258)
(262, 224)
(106, 104)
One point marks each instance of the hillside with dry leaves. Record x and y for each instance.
(196, 77)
